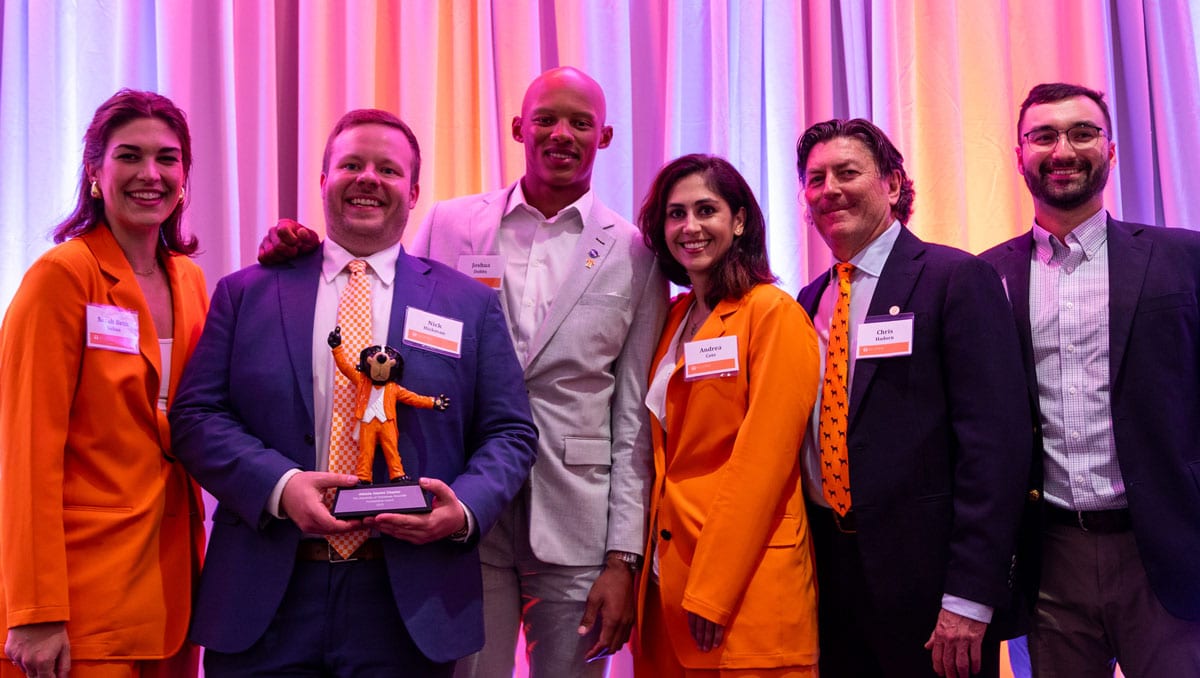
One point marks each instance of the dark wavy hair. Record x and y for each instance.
(744, 264)
(122, 108)
(1050, 92)
(887, 156)
(373, 116)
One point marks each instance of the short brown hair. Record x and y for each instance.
(373, 116)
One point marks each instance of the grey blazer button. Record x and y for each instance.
(308, 439)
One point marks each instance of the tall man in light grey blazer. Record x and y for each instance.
(585, 304)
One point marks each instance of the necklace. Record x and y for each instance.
(147, 273)
(696, 318)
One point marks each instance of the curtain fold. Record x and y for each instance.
(262, 82)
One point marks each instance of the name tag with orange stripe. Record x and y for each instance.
(716, 357)
(433, 332)
(486, 268)
(112, 328)
(885, 336)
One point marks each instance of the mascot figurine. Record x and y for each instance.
(377, 378)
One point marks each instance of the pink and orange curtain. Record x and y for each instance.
(263, 81)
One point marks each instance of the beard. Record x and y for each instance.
(1071, 196)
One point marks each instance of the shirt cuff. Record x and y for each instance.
(470, 524)
(967, 608)
(276, 495)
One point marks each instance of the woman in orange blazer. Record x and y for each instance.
(729, 587)
(101, 530)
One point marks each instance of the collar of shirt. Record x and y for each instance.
(872, 257)
(383, 263)
(581, 207)
(1090, 235)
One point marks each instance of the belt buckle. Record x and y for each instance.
(837, 521)
(335, 557)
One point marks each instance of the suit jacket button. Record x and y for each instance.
(1034, 496)
(665, 534)
(308, 439)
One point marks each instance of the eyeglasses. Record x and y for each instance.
(1080, 136)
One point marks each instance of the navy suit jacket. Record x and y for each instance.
(1154, 364)
(243, 416)
(937, 439)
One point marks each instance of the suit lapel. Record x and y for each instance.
(412, 287)
(896, 283)
(1128, 259)
(810, 296)
(596, 237)
(484, 231)
(127, 294)
(485, 223)
(1013, 267)
(297, 285)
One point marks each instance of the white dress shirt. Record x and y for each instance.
(537, 250)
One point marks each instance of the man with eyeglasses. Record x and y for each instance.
(1110, 329)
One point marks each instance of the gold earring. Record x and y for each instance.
(182, 193)
(95, 189)
(737, 231)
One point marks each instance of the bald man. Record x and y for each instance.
(584, 303)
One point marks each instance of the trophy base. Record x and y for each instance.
(371, 500)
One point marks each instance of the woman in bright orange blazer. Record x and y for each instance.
(101, 530)
(729, 588)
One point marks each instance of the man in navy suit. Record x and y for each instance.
(1109, 325)
(252, 420)
(936, 430)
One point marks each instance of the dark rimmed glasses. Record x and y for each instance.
(1080, 136)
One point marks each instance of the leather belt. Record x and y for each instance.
(847, 524)
(319, 550)
(1112, 521)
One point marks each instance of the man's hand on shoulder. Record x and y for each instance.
(40, 649)
(302, 501)
(956, 644)
(612, 599)
(285, 241)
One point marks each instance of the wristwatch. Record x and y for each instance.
(632, 560)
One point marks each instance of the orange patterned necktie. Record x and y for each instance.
(354, 317)
(835, 399)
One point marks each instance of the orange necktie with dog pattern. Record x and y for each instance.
(835, 399)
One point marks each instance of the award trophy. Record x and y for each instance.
(376, 379)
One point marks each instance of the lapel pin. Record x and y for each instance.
(589, 263)
(895, 310)
(593, 253)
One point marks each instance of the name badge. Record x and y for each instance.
(710, 358)
(433, 332)
(486, 268)
(885, 336)
(112, 328)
